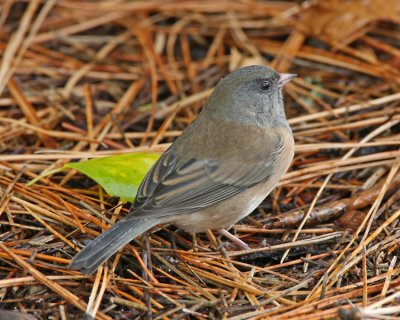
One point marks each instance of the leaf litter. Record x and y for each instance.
(83, 80)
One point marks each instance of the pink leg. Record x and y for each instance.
(243, 245)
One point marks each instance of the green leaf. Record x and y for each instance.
(119, 175)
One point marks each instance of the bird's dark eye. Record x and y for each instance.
(265, 85)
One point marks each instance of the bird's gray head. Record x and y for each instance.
(252, 95)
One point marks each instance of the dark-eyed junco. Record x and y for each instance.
(217, 172)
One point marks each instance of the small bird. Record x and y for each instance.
(217, 172)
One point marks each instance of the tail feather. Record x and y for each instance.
(108, 243)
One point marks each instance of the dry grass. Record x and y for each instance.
(84, 79)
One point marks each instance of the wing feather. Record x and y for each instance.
(173, 188)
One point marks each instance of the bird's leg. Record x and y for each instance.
(194, 242)
(241, 244)
(172, 239)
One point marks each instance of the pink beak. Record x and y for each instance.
(285, 78)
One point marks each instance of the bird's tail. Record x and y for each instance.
(105, 245)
